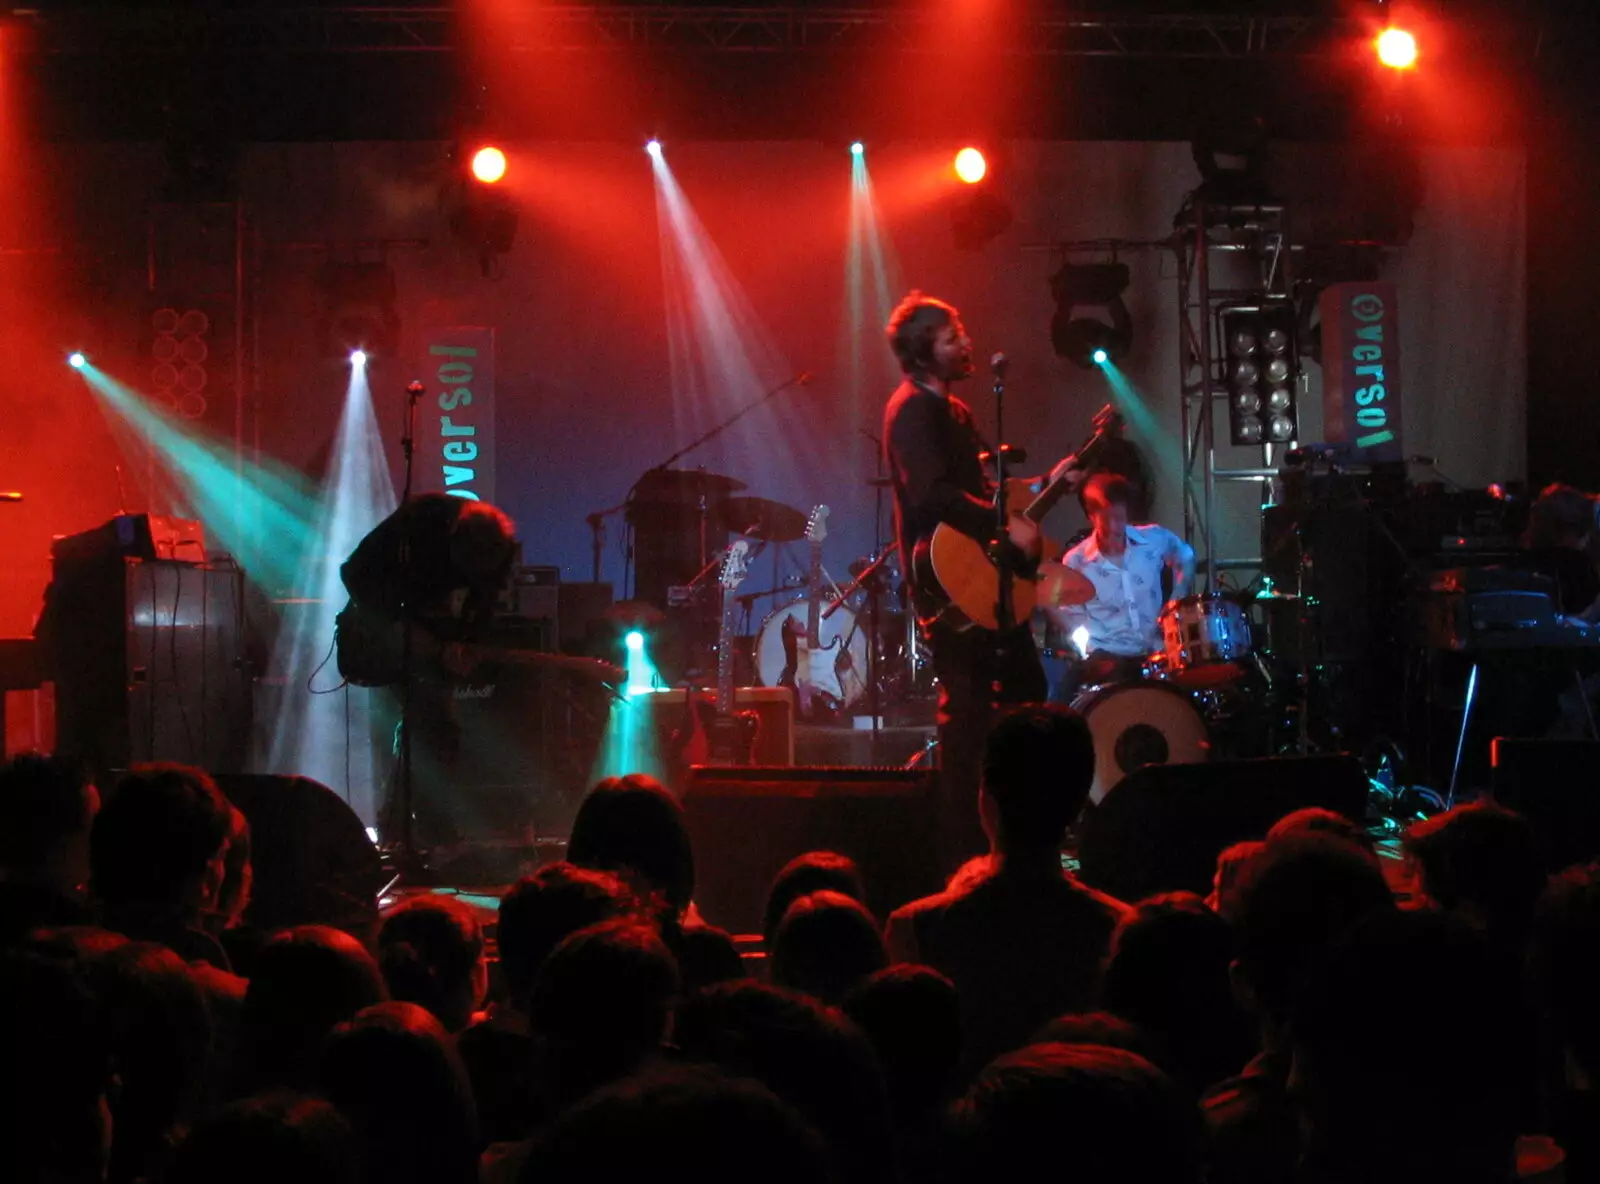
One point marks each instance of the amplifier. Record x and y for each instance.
(665, 708)
(135, 536)
(745, 824)
(534, 591)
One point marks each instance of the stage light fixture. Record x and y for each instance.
(358, 358)
(653, 147)
(1397, 49)
(1231, 150)
(77, 361)
(858, 148)
(359, 310)
(1261, 373)
(489, 164)
(635, 641)
(1086, 341)
(970, 166)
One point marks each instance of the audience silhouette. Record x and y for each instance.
(1297, 1027)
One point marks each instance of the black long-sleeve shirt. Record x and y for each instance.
(380, 578)
(931, 442)
(933, 445)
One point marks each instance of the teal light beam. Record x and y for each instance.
(264, 515)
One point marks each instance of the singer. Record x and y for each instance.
(932, 447)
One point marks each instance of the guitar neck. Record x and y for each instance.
(1055, 490)
(725, 656)
(814, 587)
(1047, 499)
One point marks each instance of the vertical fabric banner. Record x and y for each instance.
(455, 420)
(1361, 369)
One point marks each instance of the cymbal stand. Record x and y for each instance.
(874, 586)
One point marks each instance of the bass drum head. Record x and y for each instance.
(841, 626)
(1138, 724)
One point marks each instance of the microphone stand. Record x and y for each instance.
(1003, 608)
(405, 851)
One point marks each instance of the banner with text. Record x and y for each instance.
(455, 420)
(1361, 369)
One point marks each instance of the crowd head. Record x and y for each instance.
(1037, 771)
(1299, 1024)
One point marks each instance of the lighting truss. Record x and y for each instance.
(263, 30)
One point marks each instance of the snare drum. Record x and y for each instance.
(1138, 724)
(1204, 639)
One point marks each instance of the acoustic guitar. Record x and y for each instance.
(960, 571)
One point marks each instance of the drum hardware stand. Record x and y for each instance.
(597, 541)
(874, 593)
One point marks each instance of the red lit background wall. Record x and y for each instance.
(584, 376)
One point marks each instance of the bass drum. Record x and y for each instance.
(1138, 724)
(843, 651)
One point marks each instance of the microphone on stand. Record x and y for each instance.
(803, 378)
(999, 363)
(415, 390)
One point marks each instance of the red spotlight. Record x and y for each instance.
(1397, 49)
(488, 165)
(970, 165)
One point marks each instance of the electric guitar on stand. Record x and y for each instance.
(731, 735)
(816, 661)
(959, 570)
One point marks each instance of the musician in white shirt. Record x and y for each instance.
(1124, 562)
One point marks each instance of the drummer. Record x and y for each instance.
(1128, 566)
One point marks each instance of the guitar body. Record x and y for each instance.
(813, 670)
(958, 571)
(961, 568)
(731, 739)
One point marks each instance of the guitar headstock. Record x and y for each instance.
(1108, 421)
(817, 524)
(735, 565)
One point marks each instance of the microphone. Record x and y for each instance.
(999, 363)
(10, 495)
(415, 390)
(803, 378)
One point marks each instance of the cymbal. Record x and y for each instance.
(762, 518)
(684, 485)
(1060, 585)
(633, 613)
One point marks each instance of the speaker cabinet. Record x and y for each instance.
(747, 823)
(1162, 828)
(312, 860)
(149, 662)
(1555, 785)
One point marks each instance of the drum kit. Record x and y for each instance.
(680, 521)
(1209, 692)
